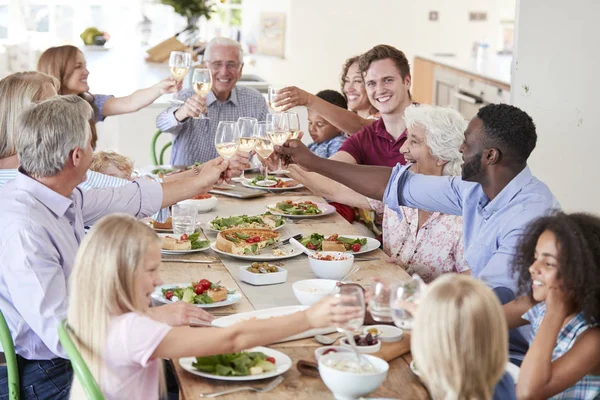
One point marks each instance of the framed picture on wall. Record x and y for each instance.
(271, 34)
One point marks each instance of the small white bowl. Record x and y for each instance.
(386, 333)
(335, 269)
(310, 291)
(202, 205)
(362, 349)
(349, 385)
(338, 349)
(271, 278)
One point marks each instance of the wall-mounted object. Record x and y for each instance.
(477, 16)
(433, 15)
(271, 34)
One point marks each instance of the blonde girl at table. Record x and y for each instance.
(115, 272)
(459, 342)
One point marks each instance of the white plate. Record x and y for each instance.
(266, 254)
(210, 227)
(325, 208)
(372, 244)
(274, 189)
(270, 278)
(231, 298)
(181, 251)
(268, 313)
(282, 364)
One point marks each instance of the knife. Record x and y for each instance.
(286, 241)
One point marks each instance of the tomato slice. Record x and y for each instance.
(271, 359)
(184, 237)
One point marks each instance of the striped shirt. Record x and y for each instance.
(588, 387)
(194, 139)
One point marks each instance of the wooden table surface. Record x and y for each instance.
(400, 383)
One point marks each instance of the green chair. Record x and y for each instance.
(90, 386)
(158, 160)
(11, 360)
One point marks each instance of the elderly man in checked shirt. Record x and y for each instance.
(194, 139)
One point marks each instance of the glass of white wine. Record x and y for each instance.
(226, 139)
(279, 132)
(264, 147)
(273, 89)
(179, 64)
(247, 139)
(294, 125)
(202, 83)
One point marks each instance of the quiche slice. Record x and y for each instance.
(245, 241)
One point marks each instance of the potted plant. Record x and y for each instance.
(192, 10)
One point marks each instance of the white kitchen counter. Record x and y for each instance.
(496, 68)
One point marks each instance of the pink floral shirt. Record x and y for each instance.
(435, 250)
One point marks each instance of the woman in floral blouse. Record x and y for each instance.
(428, 244)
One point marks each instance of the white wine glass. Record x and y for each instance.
(273, 89)
(354, 296)
(294, 125)
(264, 147)
(247, 139)
(279, 132)
(226, 139)
(405, 292)
(179, 64)
(202, 84)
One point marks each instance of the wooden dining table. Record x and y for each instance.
(400, 382)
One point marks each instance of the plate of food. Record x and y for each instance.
(252, 244)
(158, 226)
(229, 320)
(250, 365)
(263, 221)
(302, 209)
(204, 294)
(272, 183)
(348, 243)
(185, 244)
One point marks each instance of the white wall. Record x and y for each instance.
(555, 80)
(322, 34)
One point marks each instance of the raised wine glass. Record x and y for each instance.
(202, 84)
(273, 89)
(247, 138)
(408, 291)
(179, 64)
(294, 125)
(279, 132)
(226, 139)
(264, 148)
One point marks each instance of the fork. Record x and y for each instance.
(272, 385)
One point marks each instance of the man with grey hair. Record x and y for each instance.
(43, 215)
(194, 139)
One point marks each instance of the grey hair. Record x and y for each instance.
(49, 131)
(225, 42)
(444, 133)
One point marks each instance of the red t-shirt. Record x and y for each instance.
(373, 145)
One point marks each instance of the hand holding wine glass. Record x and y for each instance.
(273, 89)
(226, 139)
(202, 84)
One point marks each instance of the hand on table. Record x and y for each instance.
(193, 107)
(179, 314)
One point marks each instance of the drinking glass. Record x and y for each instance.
(226, 139)
(184, 219)
(279, 132)
(179, 64)
(264, 148)
(356, 297)
(405, 292)
(247, 138)
(273, 89)
(202, 84)
(294, 125)
(379, 304)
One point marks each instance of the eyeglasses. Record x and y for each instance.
(217, 65)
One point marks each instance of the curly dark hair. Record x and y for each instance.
(509, 129)
(578, 242)
(345, 69)
(333, 97)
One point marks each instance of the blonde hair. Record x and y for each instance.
(103, 159)
(102, 285)
(460, 339)
(17, 92)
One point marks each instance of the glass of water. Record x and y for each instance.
(405, 292)
(356, 298)
(184, 219)
(379, 303)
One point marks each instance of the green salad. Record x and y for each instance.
(196, 243)
(259, 178)
(196, 293)
(163, 171)
(315, 242)
(265, 221)
(302, 208)
(235, 364)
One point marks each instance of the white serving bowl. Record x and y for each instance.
(362, 349)
(310, 291)
(348, 385)
(338, 349)
(202, 205)
(262, 279)
(335, 269)
(386, 333)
